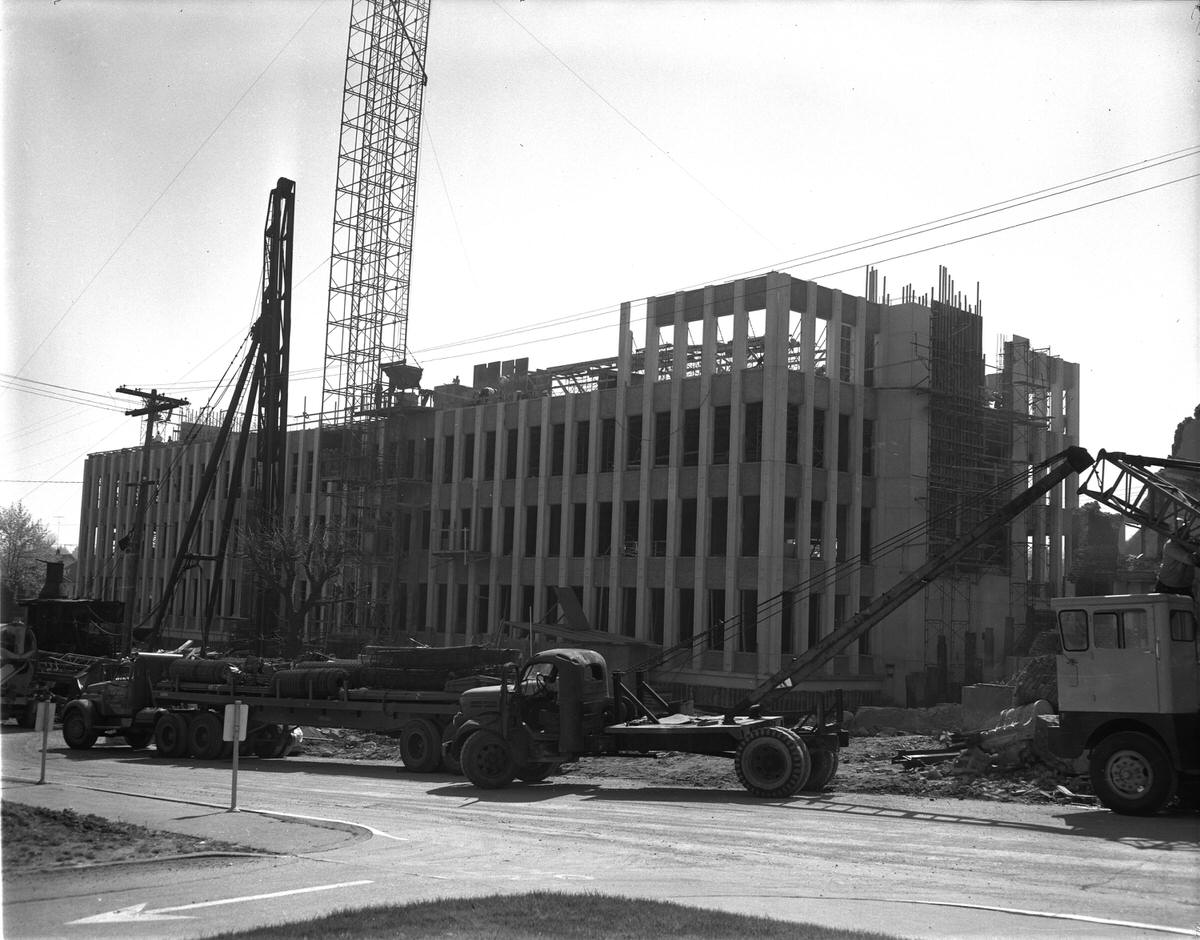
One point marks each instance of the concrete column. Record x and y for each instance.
(833, 350)
(652, 353)
(773, 480)
(495, 559)
(592, 498)
(703, 477)
(808, 346)
(673, 562)
(737, 421)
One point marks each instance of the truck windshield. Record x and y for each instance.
(538, 676)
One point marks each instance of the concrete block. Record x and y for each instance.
(983, 703)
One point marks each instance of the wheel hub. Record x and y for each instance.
(1129, 773)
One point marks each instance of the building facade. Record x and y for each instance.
(758, 459)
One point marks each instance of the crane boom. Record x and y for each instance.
(1072, 460)
(1128, 484)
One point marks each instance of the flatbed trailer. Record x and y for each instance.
(158, 702)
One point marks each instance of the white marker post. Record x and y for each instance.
(45, 721)
(237, 717)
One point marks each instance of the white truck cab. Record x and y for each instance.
(1129, 695)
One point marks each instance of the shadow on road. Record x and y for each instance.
(1179, 831)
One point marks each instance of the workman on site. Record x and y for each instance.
(1177, 570)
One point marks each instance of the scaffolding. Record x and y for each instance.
(370, 263)
(1024, 395)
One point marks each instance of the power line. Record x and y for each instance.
(874, 241)
(855, 267)
(71, 482)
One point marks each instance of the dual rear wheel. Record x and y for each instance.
(772, 762)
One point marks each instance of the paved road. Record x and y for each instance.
(907, 867)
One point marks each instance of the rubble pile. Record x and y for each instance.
(1006, 761)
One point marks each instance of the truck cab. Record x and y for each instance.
(1129, 695)
(561, 696)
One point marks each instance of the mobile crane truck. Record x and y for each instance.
(564, 704)
(1129, 670)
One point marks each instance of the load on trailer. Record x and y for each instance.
(178, 702)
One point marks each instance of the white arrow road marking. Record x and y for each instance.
(139, 913)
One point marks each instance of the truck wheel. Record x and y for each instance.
(171, 736)
(487, 760)
(272, 741)
(1132, 774)
(824, 766)
(204, 736)
(772, 762)
(139, 739)
(536, 773)
(421, 746)
(77, 730)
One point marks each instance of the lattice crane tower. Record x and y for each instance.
(367, 322)
(370, 262)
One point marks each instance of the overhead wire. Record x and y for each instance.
(610, 310)
(460, 347)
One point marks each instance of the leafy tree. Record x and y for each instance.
(24, 544)
(282, 557)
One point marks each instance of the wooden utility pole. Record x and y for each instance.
(155, 404)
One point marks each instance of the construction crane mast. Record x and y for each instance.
(367, 323)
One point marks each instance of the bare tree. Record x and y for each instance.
(302, 570)
(24, 544)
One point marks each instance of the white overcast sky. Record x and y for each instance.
(577, 154)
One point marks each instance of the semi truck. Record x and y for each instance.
(178, 701)
(564, 705)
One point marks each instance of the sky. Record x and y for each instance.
(578, 154)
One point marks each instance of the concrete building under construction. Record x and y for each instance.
(756, 460)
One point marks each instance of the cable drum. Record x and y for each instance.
(311, 683)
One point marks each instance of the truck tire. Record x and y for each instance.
(171, 736)
(204, 736)
(824, 767)
(78, 731)
(1132, 773)
(772, 762)
(272, 741)
(487, 760)
(421, 746)
(139, 738)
